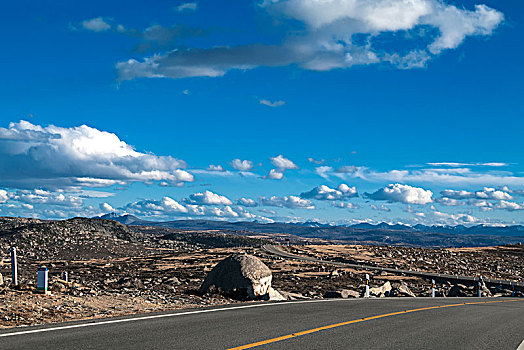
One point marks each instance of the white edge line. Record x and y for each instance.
(163, 316)
(521, 346)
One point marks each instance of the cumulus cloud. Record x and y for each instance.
(274, 174)
(39, 196)
(325, 193)
(3, 196)
(208, 198)
(242, 165)
(246, 202)
(292, 202)
(168, 207)
(486, 193)
(323, 38)
(283, 163)
(272, 104)
(56, 157)
(212, 167)
(106, 208)
(188, 6)
(97, 24)
(403, 194)
(453, 219)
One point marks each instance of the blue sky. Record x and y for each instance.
(406, 111)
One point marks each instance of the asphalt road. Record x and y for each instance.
(490, 324)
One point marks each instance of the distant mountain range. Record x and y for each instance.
(382, 233)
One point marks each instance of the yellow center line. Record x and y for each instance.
(335, 325)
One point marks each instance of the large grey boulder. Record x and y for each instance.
(242, 276)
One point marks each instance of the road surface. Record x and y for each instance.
(438, 323)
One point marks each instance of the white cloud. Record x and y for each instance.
(316, 161)
(272, 104)
(208, 198)
(274, 174)
(106, 208)
(323, 171)
(344, 205)
(39, 196)
(403, 194)
(246, 202)
(3, 196)
(168, 207)
(453, 164)
(510, 206)
(322, 38)
(212, 167)
(242, 165)
(283, 163)
(380, 208)
(97, 24)
(292, 202)
(188, 6)
(162, 207)
(55, 157)
(454, 176)
(453, 219)
(486, 193)
(326, 193)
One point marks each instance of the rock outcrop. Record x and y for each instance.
(401, 290)
(381, 291)
(242, 276)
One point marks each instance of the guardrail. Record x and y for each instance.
(430, 275)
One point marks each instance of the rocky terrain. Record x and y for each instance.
(116, 269)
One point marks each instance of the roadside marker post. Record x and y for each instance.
(480, 287)
(42, 281)
(367, 286)
(64, 276)
(432, 288)
(14, 267)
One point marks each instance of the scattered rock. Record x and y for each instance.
(293, 296)
(341, 293)
(401, 289)
(1, 280)
(457, 290)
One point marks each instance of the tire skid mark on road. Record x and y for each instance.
(336, 325)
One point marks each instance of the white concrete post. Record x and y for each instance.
(64, 276)
(432, 288)
(367, 286)
(43, 279)
(14, 267)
